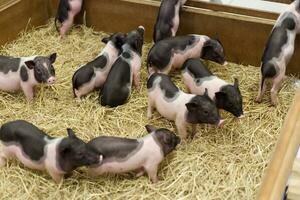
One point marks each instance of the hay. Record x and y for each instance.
(225, 163)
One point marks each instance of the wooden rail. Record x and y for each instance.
(283, 157)
(16, 15)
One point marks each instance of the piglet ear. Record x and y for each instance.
(52, 57)
(71, 133)
(30, 64)
(191, 106)
(167, 139)
(220, 95)
(206, 92)
(150, 128)
(105, 40)
(236, 83)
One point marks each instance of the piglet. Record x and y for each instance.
(93, 74)
(278, 51)
(37, 150)
(125, 155)
(197, 78)
(178, 106)
(67, 10)
(171, 53)
(168, 18)
(117, 88)
(25, 73)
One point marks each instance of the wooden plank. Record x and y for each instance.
(283, 157)
(15, 15)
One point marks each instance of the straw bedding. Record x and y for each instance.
(220, 163)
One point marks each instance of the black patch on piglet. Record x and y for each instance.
(24, 73)
(118, 39)
(196, 68)
(30, 138)
(85, 73)
(114, 147)
(82, 75)
(165, 84)
(161, 52)
(73, 153)
(165, 138)
(201, 109)
(214, 51)
(42, 66)
(9, 64)
(164, 20)
(230, 99)
(62, 11)
(278, 38)
(115, 90)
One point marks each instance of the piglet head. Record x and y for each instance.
(214, 51)
(43, 68)
(73, 153)
(135, 39)
(201, 109)
(230, 99)
(117, 39)
(166, 138)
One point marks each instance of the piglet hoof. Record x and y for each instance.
(221, 123)
(258, 100)
(57, 178)
(241, 116)
(274, 103)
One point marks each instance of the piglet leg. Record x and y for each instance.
(136, 79)
(274, 91)
(181, 127)
(150, 109)
(261, 91)
(58, 178)
(66, 25)
(28, 91)
(152, 172)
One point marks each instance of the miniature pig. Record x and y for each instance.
(117, 88)
(93, 75)
(179, 106)
(197, 78)
(67, 10)
(168, 18)
(26, 72)
(143, 155)
(278, 51)
(172, 52)
(37, 150)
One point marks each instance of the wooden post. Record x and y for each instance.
(279, 168)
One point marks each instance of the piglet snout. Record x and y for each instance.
(221, 122)
(225, 63)
(241, 116)
(141, 27)
(51, 80)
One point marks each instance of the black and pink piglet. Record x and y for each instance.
(37, 150)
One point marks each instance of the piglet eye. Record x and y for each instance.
(38, 70)
(205, 112)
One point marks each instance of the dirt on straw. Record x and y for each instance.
(220, 163)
